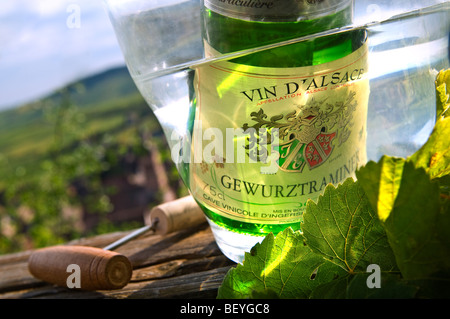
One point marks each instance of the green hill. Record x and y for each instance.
(108, 85)
(107, 102)
(80, 161)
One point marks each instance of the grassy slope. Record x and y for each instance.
(105, 102)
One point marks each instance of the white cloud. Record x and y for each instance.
(40, 52)
(47, 8)
(8, 7)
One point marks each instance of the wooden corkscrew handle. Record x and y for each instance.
(102, 269)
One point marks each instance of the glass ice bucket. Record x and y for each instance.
(164, 48)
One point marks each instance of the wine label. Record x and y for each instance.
(266, 140)
(276, 10)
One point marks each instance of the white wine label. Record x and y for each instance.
(266, 140)
(276, 10)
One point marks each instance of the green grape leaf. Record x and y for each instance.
(396, 216)
(343, 228)
(334, 289)
(391, 287)
(442, 85)
(281, 267)
(411, 209)
(381, 182)
(341, 237)
(434, 155)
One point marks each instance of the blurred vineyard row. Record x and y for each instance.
(89, 159)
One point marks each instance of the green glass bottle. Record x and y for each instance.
(272, 128)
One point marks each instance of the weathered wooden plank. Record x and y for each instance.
(179, 267)
(185, 264)
(190, 286)
(202, 284)
(157, 249)
(16, 276)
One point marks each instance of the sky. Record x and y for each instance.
(46, 44)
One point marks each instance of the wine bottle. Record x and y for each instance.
(274, 127)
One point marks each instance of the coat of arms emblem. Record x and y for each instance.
(307, 135)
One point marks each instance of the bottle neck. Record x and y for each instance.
(276, 10)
